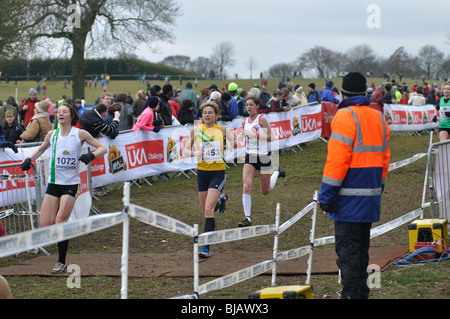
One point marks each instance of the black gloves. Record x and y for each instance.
(87, 158)
(329, 208)
(156, 129)
(157, 122)
(26, 164)
(9, 145)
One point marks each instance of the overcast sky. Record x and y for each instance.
(280, 31)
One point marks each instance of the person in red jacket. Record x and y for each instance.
(26, 110)
(276, 102)
(353, 181)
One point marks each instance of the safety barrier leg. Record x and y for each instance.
(196, 271)
(125, 241)
(275, 245)
(311, 239)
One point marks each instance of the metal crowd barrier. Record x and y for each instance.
(19, 205)
(438, 179)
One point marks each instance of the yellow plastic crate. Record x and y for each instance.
(284, 292)
(427, 231)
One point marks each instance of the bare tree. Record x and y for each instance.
(430, 59)
(361, 58)
(117, 25)
(400, 62)
(181, 62)
(201, 65)
(444, 69)
(223, 56)
(281, 70)
(317, 58)
(251, 65)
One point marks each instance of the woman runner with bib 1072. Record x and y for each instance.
(257, 133)
(209, 138)
(64, 177)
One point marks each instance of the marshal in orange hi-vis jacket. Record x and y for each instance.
(357, 163)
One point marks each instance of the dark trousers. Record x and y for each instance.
(352, 241)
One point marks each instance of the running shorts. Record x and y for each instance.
(58, 190)
(259, 162)
(210, 179)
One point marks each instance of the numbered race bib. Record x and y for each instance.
(253, 145)
(66, 162)
(211, 151)
(442, 111)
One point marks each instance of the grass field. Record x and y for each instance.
(403, 194)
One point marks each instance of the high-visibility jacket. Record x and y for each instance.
(357, 164)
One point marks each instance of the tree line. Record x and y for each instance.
(123, 65)
(430, 63)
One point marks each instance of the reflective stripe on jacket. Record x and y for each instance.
(357, 164)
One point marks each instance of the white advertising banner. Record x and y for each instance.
(134, 155)
(15, 188)
(410, 118)
(139, 154)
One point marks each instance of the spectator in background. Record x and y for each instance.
(413, 91)
(398, 95)
(327, 93)
(426, 89)
(276, 103)
(264, 96)
(93, 121)
(139, 104)
(241, 103)
(404, 99)
(299, 96)
(431, 98)
(26, 110)
(39, 125)
(126, 116)
(146, 120)
(11, 128)
(9, 105)
(389, 98)
(165, 110)
(113, 108)
(186, 114)
(189, 93)
(224, 111)
(417, 99)
(369, 92)
(80, 109)
(203, 98)
(313, 95)
(175, 105)
(377, 98)
(232, 90)
(106, 98)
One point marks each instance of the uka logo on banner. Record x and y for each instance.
(144, 153)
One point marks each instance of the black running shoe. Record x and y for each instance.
(245, 223)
